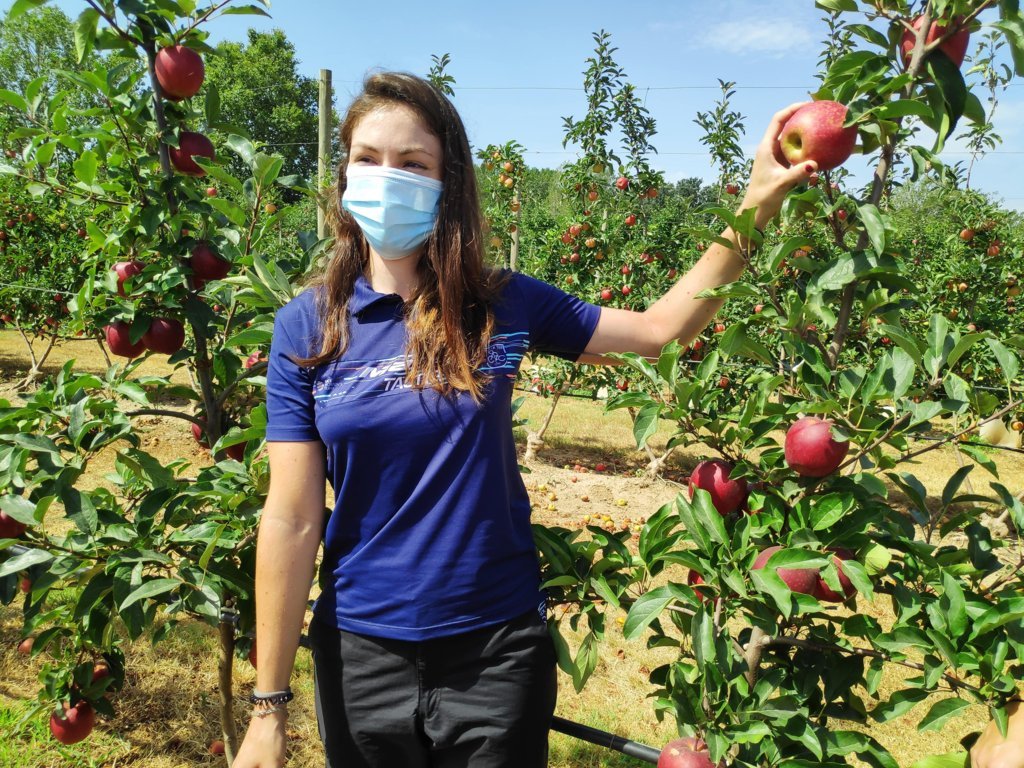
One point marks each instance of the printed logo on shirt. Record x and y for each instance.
(358, 379)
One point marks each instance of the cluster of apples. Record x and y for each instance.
(812, 451)
(180, 73)
(165, 335)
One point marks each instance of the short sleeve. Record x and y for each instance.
(290, 413)
(560, 324)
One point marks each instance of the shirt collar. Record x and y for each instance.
(364, 297)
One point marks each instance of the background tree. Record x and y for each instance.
(262, 93)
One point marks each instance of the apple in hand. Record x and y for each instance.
(166, 335)
(955, 46)
(815, 133)
(180, 72)
(75, 725)
(712, 475)
(689, 752)
(191, 144)
(118, 336)
(811, 450)
(802, 580)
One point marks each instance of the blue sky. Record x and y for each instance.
(518, 66)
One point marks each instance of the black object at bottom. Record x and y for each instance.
(605, 739)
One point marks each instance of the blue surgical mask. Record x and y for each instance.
(395, 209)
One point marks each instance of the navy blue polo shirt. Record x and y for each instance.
(430, 532)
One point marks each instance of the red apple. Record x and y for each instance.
(76, 724)
(732, 189)
(622, 183)
(967, 234)
(606, 294)
(712, 475)
(815, 132)
(802, 580)
(236, 452)
(626, 290)
(631, 220)
(166, 335)
(124, 270)
(9, 527)
(694, 579)
(207, 265)
(25, 646)
(216, 747)
(191, 144)
(758, 308)
(810, 449)
(253, 359)
(119, 340)
(824, 592)
(689, 752)
(955, 46)
(25, 585)
(180, 72)
(719, 328)
(199, 433)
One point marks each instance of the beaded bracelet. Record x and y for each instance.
(274, 698)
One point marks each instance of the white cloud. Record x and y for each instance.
(766, 36)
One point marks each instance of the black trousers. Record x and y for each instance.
(482, 699)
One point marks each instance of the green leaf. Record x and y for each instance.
(23, 6)
(941, 712)
(248, 10)
(874, 225)
(85, 32)
(838, 6)
(830, 509)
(24, 561)
(85, 167)
(646, 423)
(955, 760)
(1008, 361)
(645, 610)
(150, 589)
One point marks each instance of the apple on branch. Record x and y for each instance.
(815, 133)
(75, 724)
(954, 46)
(191, 145)
(811, 450)
(166, 335)
(118, 335)
(180, 72)
(802, 580)
(713, 476)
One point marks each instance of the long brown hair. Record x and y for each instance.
(449, 316)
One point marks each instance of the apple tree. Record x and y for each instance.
(809, 505)
(179, 259)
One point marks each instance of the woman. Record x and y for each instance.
(392, 377)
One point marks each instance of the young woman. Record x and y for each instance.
(392, 379)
